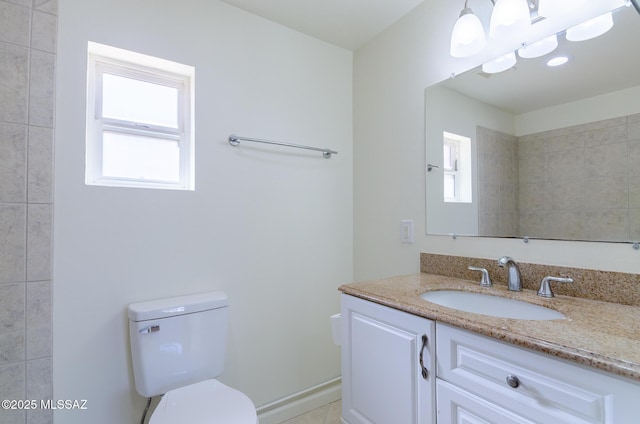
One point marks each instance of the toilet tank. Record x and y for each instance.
(177, 341)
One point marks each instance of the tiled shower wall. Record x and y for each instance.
(577, 183)
(27, 68)
(497, 183)
(582, 182)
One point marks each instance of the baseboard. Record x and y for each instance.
(300, 403)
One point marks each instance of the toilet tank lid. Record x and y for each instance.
(174, 306)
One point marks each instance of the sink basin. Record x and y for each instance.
(494, 306)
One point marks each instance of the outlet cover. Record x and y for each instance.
(406, 231)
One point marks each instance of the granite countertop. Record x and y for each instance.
(599, 334)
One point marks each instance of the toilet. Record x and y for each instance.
(178, 347)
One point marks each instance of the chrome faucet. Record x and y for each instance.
(515, 282)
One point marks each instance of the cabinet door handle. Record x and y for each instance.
(425, 371)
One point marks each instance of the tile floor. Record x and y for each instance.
(328, 414)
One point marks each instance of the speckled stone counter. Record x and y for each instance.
(599, 334)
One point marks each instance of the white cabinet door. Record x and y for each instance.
(383, 381)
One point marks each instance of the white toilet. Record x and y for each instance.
(178, 347)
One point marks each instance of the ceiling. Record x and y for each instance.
(346, 23)
(602, 65)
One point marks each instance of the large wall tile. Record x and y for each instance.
(607, 135)
(38, 320)
(634, 224)
(13, 224)
(15, 22)
(14, 90)
(566, 165)
(531, 145)
(533, 196)
(608, 224)
(27, 3)
(13, 163)
(12, 386)
(12, 323)
(40, 171)
(634, 192)
(570, 225)
(533, 223)
(41, 89)
(607, 193)
(634, 158)
(49, 6)
(39, 242)
(533, 168)
(27, 65)
(566, 194)
(606, 161)
(43, 32)
(39, 386)
(566, 142)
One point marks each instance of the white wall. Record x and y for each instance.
(448, 110)
(598, 108)
(390, 75)
(271, 227)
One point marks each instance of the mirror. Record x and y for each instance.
(554, 152)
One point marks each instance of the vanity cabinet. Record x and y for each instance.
(475, 379)
(480, 378)
(383, 354)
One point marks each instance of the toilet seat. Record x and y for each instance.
(206, 402)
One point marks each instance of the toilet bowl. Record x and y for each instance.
(207, 402)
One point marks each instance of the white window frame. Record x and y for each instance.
(454, 148)
(106, 59)
(460, 168)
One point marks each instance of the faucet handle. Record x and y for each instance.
(545, 287)
(485, 281)
(503, 261)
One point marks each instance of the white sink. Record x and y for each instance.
(494, 306)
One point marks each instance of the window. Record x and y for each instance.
(450, 168)
(139, 120)
(456, 168)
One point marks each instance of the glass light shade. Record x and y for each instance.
(557, 61)
(500, 64)
(558, 8)
(467, 37)
(591, 29)
(539, 48)
(510, 19)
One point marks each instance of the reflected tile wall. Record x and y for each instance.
(591, 179)
(27, 61)
(497, 183)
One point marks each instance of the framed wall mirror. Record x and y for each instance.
(538, 151)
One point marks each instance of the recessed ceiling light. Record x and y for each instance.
(557, 61)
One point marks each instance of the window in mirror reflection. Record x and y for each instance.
(456, 167)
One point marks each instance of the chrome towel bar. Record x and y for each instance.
(234, 140)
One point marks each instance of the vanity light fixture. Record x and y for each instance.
(467, 37)
(591, 28)
(510, 19)
(500, 64)
(539, 48)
